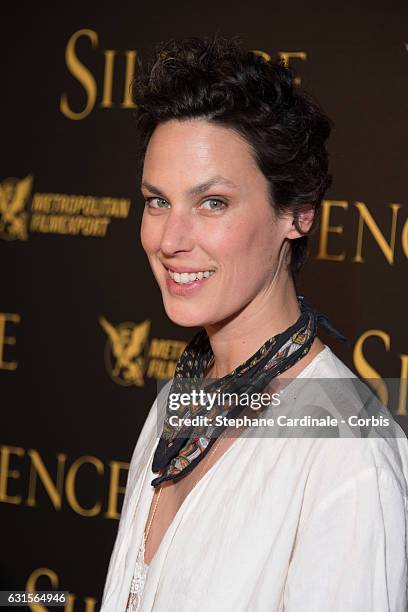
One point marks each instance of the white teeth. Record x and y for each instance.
(188, 277)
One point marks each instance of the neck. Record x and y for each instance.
(234, 340)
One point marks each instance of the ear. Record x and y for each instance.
(304, 220)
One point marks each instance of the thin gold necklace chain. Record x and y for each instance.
(147, 530)
(214, 448)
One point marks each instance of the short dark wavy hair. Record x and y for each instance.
(218, 79)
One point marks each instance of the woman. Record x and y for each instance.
(234, 172)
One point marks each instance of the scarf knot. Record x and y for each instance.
(180, 447)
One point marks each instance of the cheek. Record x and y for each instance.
(243, 250)
(149, 234)
(251, 245)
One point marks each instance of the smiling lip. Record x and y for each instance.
(182, 269)
(187, 288)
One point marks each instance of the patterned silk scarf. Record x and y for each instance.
(181, 448)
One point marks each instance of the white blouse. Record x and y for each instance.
(279, 524)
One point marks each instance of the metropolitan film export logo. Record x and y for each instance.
(130, 356)
(22, 213)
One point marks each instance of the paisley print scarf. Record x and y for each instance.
(181, 448)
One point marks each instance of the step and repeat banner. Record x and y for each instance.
(83, 334)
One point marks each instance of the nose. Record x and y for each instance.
(178, 233)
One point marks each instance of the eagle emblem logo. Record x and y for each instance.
(125, 351)
(14, 196)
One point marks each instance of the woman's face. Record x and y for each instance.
(207, 211)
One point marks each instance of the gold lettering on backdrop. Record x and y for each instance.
(163, 356)
(58, 224)
(56, 488)
(404, 238)
(83, 75)
(365, 217)
(166, 349)
(70, 485)
(267, 57)
(286, 56)
(89, 206)
(129, 76)
(32, 587)
(37, 467)
(55, 213)
(6, 473)
(88, 81)
(403, 390)
(9, 340)
(59, 213)
(160, 369)
(326, 228)
(364, 369)
(115, 488)
(108, 79)
(129, 358)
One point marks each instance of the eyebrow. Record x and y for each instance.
(197, 189)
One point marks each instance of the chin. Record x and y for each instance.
(178, 317)
(185, 316)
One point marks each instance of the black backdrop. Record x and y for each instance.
(83, 335)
